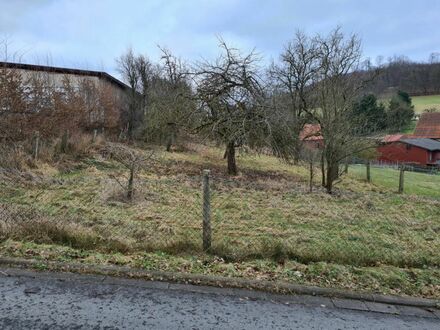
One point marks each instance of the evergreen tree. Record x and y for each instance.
(369, 115)
(400, 112)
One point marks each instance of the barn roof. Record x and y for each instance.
(393, 138)
(311, 132)
(428, 126)
(428, 144)
(45, 68)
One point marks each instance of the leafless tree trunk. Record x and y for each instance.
(131, 160)
(323, 180)
(336, 89)
(132, 69)
(130, 183)
(368, 172)
(231, 101)
(232, 165)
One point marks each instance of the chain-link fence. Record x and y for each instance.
(93, 212)
(237, 218)
(348, 227)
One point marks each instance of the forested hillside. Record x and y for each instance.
(414, 78)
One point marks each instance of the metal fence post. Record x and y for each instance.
(401, 179)
(206, 211)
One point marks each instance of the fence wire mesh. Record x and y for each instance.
(94, 212)
(257, 216)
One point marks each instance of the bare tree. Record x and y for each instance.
(337, 87)
(133, 70)
(231, 100)
(292, 79)
(133, 161)
(159, 98)
(178, 103)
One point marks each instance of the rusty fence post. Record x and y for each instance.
(206, 211)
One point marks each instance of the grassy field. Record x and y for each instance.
(418, 184)
(422, 103)
(265, 224)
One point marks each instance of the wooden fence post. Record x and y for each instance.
(206, 211)
(171, 135)
(95, 134)
(36, 146)
(64, 141)
(401, 179)
(368, 171)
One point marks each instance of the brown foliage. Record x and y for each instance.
(49, 104)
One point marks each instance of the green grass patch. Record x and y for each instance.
(422, 103)
(419, 184)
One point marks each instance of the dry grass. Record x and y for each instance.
(13, 157)
(27, 224)
(264, 213)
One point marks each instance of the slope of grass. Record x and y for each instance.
(418, 184)
(264, 222)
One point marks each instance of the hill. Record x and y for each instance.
(417, 79)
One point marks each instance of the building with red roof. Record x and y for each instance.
(311, 136)
(400, 148)
(428, 126)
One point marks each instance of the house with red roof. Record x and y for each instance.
(311, 136)
(428, 126)
(421, 148)
(409, 150)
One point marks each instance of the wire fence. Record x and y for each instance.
(100, 215)
(433, 170)
(234, 218)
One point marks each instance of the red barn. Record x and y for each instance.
(417, 151)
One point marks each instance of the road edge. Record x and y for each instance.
(276, 287)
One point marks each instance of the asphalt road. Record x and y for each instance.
(60, 301)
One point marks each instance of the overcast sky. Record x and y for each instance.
(92, 33)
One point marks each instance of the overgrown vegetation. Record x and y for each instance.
(264, 219)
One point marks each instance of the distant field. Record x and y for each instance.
(420, 103)
(426, 102)
(415, 183)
